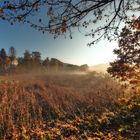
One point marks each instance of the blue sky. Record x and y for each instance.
(68, 50)
(74, 51)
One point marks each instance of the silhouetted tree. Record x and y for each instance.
(64, 14)
(27, 60)
(27, 55)
(84, 67)
(46, 63)
(55, 64)
(127, 65)
(20, 60)
(36, 56)
(21, 65)
(6, 64)
(12, 52)
(4, 61)
(3, 54)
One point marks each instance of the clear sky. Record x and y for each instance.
(68, 50)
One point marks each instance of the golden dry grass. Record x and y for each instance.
(36, 106)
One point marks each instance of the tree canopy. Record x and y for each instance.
(127, 65)
(60, 16)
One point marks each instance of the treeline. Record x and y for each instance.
(8, 62)
(33, 62)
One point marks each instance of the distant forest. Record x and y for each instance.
(9, 63)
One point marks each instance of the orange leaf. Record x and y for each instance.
(63, 29)
(1, 11)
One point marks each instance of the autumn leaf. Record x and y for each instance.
(63, 29)
(109, 135)
(1, 11)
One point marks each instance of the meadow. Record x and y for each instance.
(67, 106)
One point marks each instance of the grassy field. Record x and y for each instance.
(66, 106)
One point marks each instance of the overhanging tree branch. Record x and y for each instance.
(62, 15)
